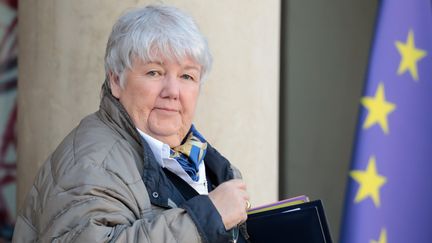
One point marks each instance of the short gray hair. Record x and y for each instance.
(155, 29)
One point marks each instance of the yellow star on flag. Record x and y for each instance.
(382, 238)
(410, 55)
(378, 109)
(370, 182)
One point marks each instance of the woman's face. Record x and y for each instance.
(160, 97)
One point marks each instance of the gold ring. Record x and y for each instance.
(248, 205)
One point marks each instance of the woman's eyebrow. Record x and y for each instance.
(158, 62)
(193, 67)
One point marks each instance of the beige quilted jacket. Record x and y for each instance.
(93, 188)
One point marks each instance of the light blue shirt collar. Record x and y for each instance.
(160, 150)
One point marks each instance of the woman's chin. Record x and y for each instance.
(165, 130)
(172, 129)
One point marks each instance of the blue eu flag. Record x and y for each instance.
(389, 194)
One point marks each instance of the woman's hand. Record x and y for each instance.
(230, 199)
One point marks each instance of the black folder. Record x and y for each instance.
(301, 223)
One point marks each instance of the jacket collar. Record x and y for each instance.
(116, 117)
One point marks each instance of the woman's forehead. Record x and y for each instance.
(186, 61)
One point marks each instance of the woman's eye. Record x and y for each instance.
(153, 73)
(187, 77)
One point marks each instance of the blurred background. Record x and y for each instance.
(281, 101)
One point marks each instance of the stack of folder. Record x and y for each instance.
(294, 220)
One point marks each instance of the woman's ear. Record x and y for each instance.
(115, 85)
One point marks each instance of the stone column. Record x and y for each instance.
(61, 70)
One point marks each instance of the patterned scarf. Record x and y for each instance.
(191, 153)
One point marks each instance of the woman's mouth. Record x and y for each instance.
(166, 109)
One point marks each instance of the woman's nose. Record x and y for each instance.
(171, 88)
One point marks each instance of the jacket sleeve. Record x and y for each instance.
(91, 203)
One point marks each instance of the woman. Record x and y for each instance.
(137, 170)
